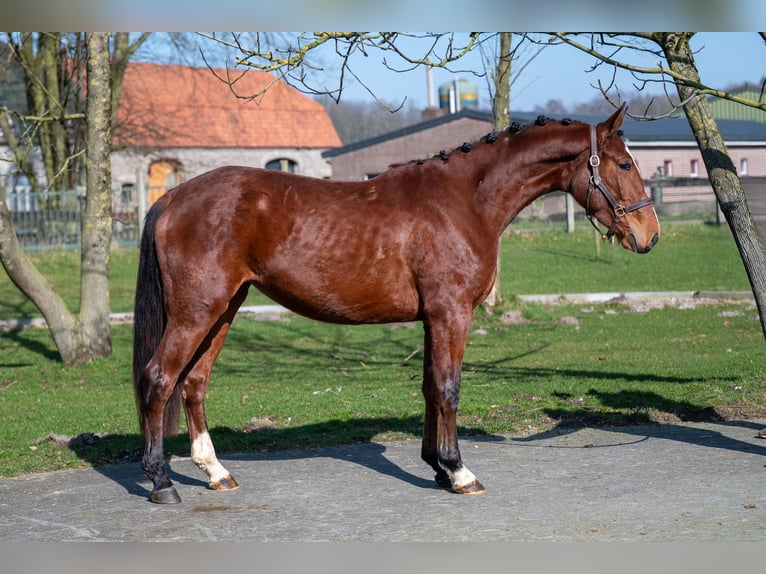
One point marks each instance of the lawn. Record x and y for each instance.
(294, 383)
(691, 257)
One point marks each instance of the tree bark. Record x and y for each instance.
(32, 283)
(721, 171)
(501, 103)
(96, 338)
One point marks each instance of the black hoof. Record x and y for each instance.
(165, 496)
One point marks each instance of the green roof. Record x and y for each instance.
(728, 110)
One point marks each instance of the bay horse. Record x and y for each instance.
(418, 242)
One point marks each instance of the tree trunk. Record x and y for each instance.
(721, 171)
(88, 335)
(96, 338)
(81, 338)
(501, 103)
(41, 58)
(32, 283)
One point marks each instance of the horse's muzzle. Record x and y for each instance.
(648, 247)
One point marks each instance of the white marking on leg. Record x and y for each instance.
(461, 477)
(203, 455)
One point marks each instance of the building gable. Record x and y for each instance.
(164, 106)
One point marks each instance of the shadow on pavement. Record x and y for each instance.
(109, 454)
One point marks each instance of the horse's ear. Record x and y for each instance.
(612, 123)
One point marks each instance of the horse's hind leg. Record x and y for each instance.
(445, 339)
(202, 450)
(194, 389)
(183, 342)
(159, 387)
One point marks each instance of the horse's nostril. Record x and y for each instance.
(644, 249)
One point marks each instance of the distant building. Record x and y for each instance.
(729, 110)
(367, 158)
(663, 148)
(176, 122)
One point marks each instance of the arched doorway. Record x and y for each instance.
(164, 174)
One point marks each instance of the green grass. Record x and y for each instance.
(312, 384)
(305, 383)
(690, 257)
(693, 257)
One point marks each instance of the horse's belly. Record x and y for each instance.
(345, 298)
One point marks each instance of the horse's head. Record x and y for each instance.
(609, 186)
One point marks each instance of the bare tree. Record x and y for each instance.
(692, 93)
(86, 335)
(300, 59)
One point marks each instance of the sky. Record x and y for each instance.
(561, 73)
(557, 72)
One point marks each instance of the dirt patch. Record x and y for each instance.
(642, 305)
(513, 318)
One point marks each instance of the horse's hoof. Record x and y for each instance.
(227, 483)
(474, 487)
(165, 496)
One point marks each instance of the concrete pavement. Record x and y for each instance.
(680, 482)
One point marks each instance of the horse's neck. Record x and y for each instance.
(525, 168)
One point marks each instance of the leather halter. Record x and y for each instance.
(618, 209)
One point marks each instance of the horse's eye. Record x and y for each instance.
(624, 166)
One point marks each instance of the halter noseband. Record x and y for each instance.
(618, 209)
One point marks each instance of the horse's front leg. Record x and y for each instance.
(444, 346)
(429, 451)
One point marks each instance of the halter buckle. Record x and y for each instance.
(619, 211)
(594, 160)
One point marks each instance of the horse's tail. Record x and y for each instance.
(149, 320)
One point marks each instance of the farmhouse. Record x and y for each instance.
(175, 122)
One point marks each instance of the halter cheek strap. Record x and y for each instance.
(618, 209)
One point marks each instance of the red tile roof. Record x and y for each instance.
(177, 106)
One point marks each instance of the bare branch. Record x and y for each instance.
(293, 59)
(666, 74)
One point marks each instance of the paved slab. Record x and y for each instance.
(690, 482)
